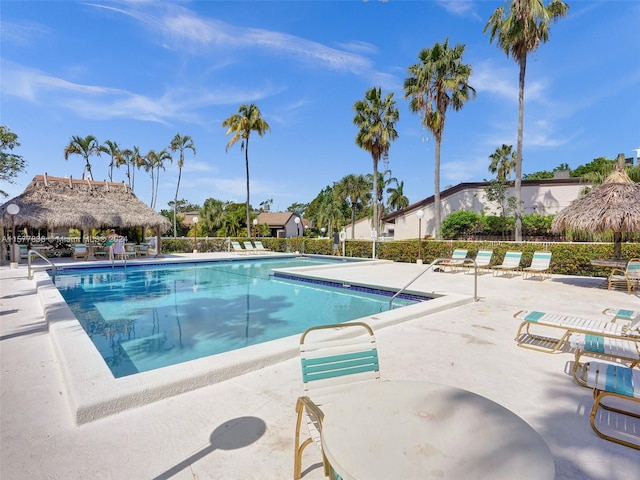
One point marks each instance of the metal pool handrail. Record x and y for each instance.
(435, 262)
(30, 268)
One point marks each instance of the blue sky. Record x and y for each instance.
(138, 72)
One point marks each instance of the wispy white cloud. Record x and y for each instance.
(503, 82)
(22, 34)
(460, 7)
(100, 102)
(183, 29)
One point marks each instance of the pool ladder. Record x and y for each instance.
(437, 261)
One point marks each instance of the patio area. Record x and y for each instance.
(243, 427)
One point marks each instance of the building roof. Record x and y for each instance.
(53, 202)
(279, 219)
(476, 185)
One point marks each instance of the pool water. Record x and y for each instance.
(145, 317)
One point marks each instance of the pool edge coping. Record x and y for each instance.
(94, 393)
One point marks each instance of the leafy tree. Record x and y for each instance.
(384, 180)
(212, 215)
(376, 118)
(493, 225)
(85, 147)
(497, 191)
(241, 124)
(436, 84)
(502, 162)
(182, 206)
(298, 208)
(180, 143)
(541, 175)
(459, 223)
(232, 224)
(111, 149)
(397, 198)
(312, 213)
(356, 190)
(519, 33)
(10, 163)
(535, 224)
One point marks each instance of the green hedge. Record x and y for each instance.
(567, 258)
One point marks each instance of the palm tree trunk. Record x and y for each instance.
(246, 160)
(436, 190)
(175, 205)
(88, 167)
(153, 186)
(518, 182)
(155, 197)
(375, 195)
(353, 220)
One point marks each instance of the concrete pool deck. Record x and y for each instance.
(242, 427)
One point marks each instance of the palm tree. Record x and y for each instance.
(241, 124)
(180, 143)
(84, 147)
(518, 34)
(376, 118)
(137, 161)
(502, 162)
(356, 189)
(212, 215)
(148, 162)
(126, 158)
(397, 199)
(436, 84)
(111, 149)
(162, 156)
(152, 163)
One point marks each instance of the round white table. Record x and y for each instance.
(421, 430)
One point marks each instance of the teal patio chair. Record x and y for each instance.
(630, 276)
(622, 384)
(335, 358)
(540, 265)
(458, 257)
(483, 261)
(510, 263)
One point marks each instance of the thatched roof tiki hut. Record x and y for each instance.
(612, 206)
(54, 202)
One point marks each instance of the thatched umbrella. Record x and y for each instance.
(614, 205)
(54, 202)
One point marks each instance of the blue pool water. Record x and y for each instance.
(145, 317)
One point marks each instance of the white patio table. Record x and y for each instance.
(417, 430)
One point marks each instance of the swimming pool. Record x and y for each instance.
(146, 317)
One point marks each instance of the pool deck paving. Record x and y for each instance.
(243, 427)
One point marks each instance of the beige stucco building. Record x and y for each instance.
(546, 197)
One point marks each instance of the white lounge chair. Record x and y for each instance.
(621, 383)
(260, 247)
(540, 265)
(510, 263)
(458, 257)
(237, 248)
(483, 260)
(566, 325)
(79, 251)
(248, 246)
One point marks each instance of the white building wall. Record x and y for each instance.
(542, 199)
